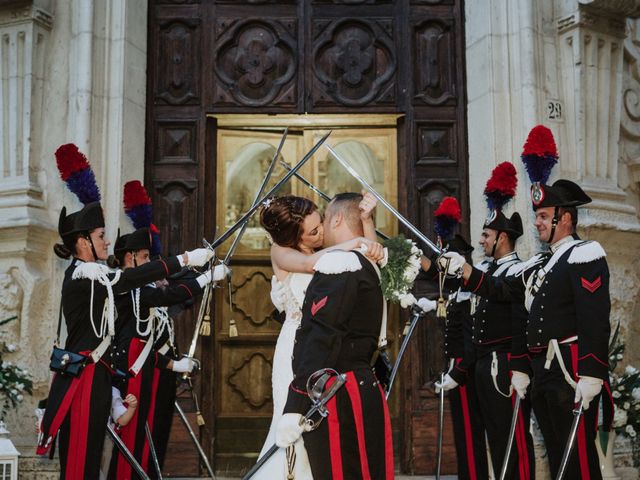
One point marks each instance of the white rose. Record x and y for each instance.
(636, 393)
(629, 429)
(626, 405)
(616, 394)
(11, 347)
(619, 356)
(629, 370)
(407, 300)
(637, 407)
(619, 418)
(19, 398)
(20, 386)
(633, 434)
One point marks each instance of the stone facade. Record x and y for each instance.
(573, 66)
(70, 71)
(74, 71)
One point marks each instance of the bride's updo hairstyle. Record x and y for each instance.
(282, 218)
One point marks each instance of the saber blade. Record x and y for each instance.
(230, 231)
(440, 428)
(126, 453)
(512, 433)
(417, 314)
(381, 199)
(194, 439)
(572, 438)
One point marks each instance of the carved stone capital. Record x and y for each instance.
(25, 12)
(613, 8)
(590, 20)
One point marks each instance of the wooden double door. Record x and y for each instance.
(224, 78)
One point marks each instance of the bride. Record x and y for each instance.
(295, 226)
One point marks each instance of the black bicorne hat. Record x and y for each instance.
(563, 193)
(132, 242)
(460, 245)
(85, 220)
(500, 222)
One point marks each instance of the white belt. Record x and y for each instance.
(553, 350)
(494, 375)
(144, 354)
(98, 352)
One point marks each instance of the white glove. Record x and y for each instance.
(184, 365)
(520, 381)
(290, 428)
(448, 384)
(427, 305)
(456, 262)
(219, 273)
(198, 257)
(278, 295)
(587, 389)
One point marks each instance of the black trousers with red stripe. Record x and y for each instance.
(163, 415)
(143, 386)
(468, 431)
(83, 429)
(552, 399)
(496, 410)
(354, 441)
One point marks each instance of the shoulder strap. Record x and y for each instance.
(57, 341)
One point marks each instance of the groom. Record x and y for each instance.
(342, 315)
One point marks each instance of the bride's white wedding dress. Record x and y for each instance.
(295, 286)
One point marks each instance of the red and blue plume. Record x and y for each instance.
(137, 206)
(76, 172)
(539, 154)
(501, 186)
(447, 217)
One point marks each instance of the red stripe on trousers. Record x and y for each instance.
(150, 415)
(521, 443)
(61, 413)
(79, 427)
(356, 406)
(388, 437)
(333, 425)
(464, 400)
(128, 432)
(582, 439)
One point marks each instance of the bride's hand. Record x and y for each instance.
(374, 250)
(367, 206)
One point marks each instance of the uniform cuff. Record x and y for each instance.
(474, 281)
(297, 402)
(591, 366)
(458, 374)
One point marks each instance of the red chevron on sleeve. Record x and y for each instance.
(591, 286)
(317, 306)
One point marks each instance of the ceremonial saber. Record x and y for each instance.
(126, 453)
(417, 314)
(256, 201)
(512, 433)
(318, 406)
(152, 449)
(321, 194)
(572, 437)
(203, 457)
(222, 238)
(440, 428)
(381, 199)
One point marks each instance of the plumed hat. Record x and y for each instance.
(539, 155)
(500, 189)
(137, 206)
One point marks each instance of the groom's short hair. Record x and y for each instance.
(348, 204)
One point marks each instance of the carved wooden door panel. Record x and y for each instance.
(243, 364)
(298, 57)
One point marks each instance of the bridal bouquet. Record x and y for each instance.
(14, 380)
(402, 267)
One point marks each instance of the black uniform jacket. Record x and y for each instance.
(572, 301)
(76, 298)
(150, 297)
(457, 336)
(341, 319)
